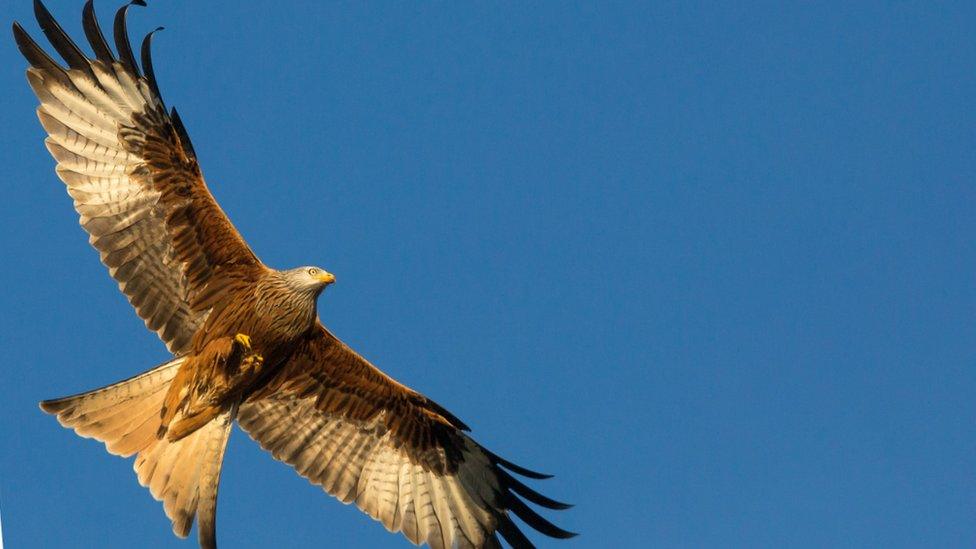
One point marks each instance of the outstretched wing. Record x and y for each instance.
(346, 426)
(133, 175)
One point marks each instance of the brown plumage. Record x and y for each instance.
(246, 339)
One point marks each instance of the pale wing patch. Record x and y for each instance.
(361, 463)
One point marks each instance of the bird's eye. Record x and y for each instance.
(312, 271)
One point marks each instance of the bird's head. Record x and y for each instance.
(309, 279)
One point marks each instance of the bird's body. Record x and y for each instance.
(265, 306)
(255, 324)
(246, 340)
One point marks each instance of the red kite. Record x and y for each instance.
(246, 340)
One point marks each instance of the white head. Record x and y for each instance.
(308, 279)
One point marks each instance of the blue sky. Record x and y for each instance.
(711, 266)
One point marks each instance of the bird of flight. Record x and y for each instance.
(246, 341)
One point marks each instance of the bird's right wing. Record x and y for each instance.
(133, 175)
(404, 460)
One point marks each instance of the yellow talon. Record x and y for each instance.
(244, 340)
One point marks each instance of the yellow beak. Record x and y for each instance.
(327, 278)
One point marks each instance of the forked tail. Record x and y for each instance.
(183, 474)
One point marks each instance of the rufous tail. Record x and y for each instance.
(183, 474)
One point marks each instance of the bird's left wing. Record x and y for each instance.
(404, 460)
(136, 184)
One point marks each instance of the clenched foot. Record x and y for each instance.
(252, 363)
(244, 340)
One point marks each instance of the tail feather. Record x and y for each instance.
(112, 414)
(210, 480)
(184, 501)
(183, 473)
(132, 436)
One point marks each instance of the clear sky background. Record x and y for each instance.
(711, 266)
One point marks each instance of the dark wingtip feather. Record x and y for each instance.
(516, 468)
(147, 65)
(515, 537)
(181, 131)
(20, 37)
(536, 521)
(36, 56)
(94, 34)
(516, 486)
(122, 38)
(60, 40)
